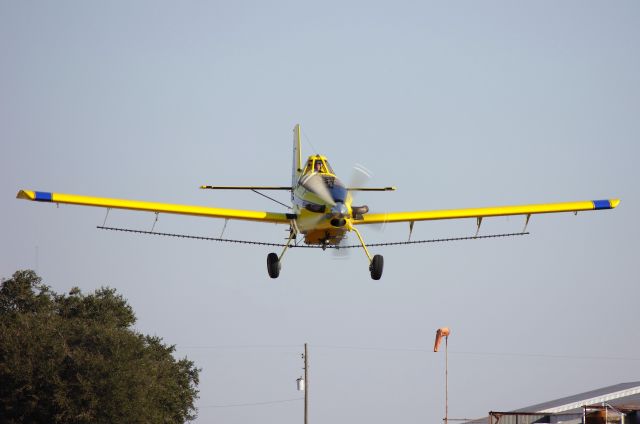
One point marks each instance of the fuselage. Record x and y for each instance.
(322, 203)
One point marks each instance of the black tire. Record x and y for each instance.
(376, 267)
(273, 265)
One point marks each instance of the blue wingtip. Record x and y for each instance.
(43, 196)
(601, 204)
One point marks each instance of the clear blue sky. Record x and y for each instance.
(459, 104)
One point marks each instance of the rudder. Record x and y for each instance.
(297, 156)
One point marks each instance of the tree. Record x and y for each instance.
(76, 359)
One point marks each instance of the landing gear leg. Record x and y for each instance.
(274, 261)
(376, 263)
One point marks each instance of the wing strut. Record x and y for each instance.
(271, 198)
(224, 227)
(155, 221)
(479, 220)
(526, 222)
(105, 217)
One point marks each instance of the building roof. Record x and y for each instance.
(623, 395)
(618, 394)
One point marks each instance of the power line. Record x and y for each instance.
(411, 349)
(234, 405)
(544, 355)
(242, 347)
(470, 353)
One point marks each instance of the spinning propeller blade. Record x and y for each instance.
(310, 220)
(360, 175)
(315, 184)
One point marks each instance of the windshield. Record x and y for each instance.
(326, 162)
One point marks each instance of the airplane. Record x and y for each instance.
(322, 209)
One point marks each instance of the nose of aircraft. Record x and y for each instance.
(339, 210)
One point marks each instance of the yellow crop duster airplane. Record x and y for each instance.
(322, 209)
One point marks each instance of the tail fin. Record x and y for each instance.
(297, 156)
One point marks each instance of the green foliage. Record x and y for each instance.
(75, 359)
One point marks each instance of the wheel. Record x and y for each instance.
(376, 267)
(273, 265)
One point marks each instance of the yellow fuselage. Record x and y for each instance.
(321, 221)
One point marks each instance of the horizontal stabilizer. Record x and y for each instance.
(209, 187)
(372, 188)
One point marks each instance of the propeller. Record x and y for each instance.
(340, 253)
(310, 220)
(315, 184)
(360, 175)
(359, 178)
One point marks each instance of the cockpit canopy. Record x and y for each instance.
(318, 164)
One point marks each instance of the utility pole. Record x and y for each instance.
(444, 332)
(446, 380)
(303, 384)
(306, 385)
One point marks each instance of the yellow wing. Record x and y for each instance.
(74, 199)
(377, 218)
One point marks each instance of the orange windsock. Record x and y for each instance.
(442, 332)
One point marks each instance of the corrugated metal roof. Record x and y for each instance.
(623, 394)
(611, 394)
